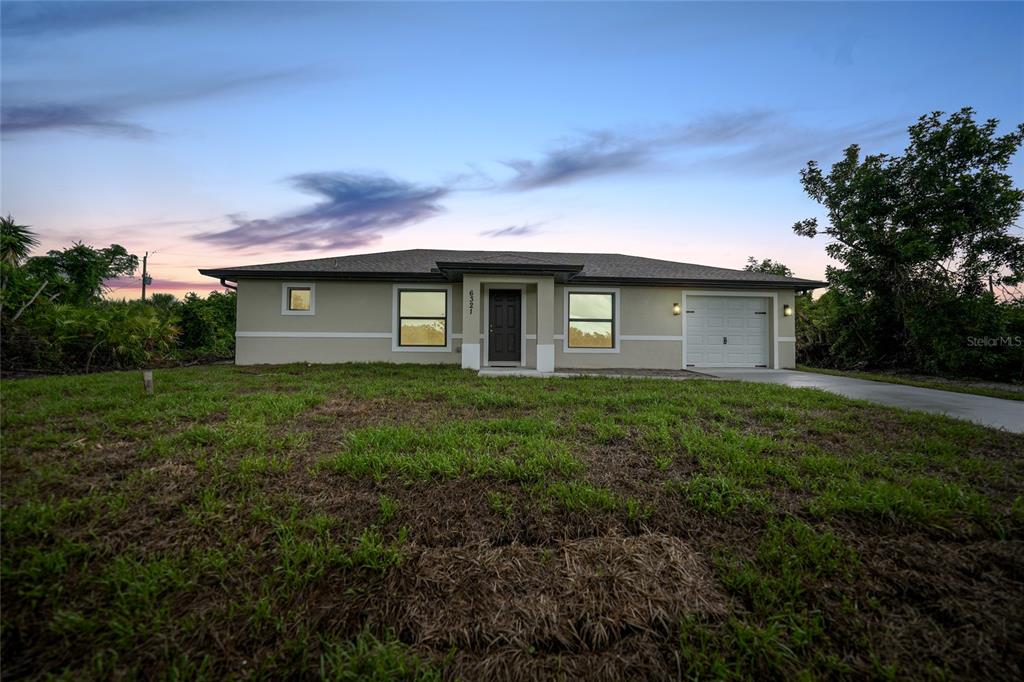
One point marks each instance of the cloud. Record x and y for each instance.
(759, 142)
(524, 230)
(109, 115)
(607, 152)
(598, 153)
(791, 147)
(79, 118)
(40, 18)
(356, 210)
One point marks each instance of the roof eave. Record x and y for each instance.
(235, 275)
(455, 271)
(800, 285)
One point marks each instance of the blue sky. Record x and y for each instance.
(233, 133)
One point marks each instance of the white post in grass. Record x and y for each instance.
(147, 380)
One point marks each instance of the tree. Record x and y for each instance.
(769, 266)
(163, 301)
(918, 236)
(78, 273)
(16, 241)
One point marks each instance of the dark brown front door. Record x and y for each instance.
(505, 332)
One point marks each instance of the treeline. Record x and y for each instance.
(53, 316)
(929, 251)
(979, 337)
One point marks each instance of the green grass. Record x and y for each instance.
(716, 495)
(333, 522)
(938, 383)
(578, 496)
(511, 449)
(368, 658)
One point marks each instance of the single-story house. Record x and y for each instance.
(513, 309)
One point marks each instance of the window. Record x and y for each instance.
(422, 317)
(298, 298)
(591, 320)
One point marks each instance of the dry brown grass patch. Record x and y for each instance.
(579, 598)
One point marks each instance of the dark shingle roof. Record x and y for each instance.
(592, 267)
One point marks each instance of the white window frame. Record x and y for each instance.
(285, 286)
(396, 330)
(616, 319)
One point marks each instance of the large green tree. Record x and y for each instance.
(919, 237)
(78, 272)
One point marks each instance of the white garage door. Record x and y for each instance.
(726, 331)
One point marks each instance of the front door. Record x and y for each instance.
(505, 317)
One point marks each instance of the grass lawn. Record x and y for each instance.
(394, 521)
(990, 389)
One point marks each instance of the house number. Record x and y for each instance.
(471, 301)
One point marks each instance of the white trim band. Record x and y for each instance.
(647, 337)
(314, 335)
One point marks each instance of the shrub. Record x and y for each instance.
(208, 325)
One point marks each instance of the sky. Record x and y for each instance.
(231, 133)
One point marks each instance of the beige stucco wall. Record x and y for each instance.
(340, 307)
(366, 309)
(787, 330)
(273, 351)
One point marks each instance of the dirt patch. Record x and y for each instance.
(636, 658)
(330, 422)
(959, 603)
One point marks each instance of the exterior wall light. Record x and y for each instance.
(676, 309)
(787, 310)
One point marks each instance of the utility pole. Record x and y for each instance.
(145, 276)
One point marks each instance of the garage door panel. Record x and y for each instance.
(727, 331)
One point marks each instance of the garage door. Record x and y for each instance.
(726, 331)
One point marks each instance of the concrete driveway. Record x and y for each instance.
(995, 412)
